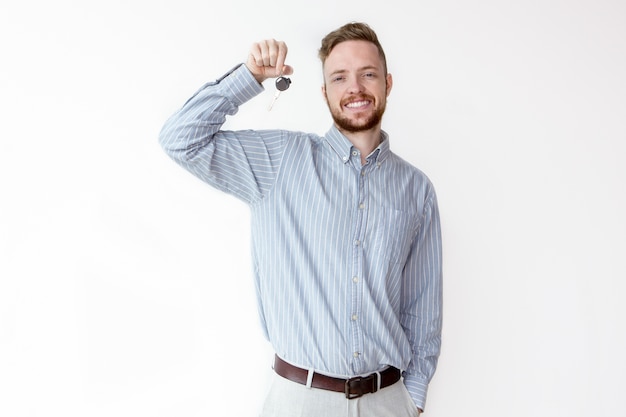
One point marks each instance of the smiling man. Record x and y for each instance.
(346, 240)
(356, 86)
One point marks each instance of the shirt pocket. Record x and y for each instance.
(393, 233)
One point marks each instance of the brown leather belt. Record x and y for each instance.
(353, 387)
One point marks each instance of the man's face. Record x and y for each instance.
(355, 86)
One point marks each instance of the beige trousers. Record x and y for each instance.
(290, 399)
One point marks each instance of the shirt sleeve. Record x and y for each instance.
(242, 163)
(422, 303)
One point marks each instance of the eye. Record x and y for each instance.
(338, 78)
(369, 75)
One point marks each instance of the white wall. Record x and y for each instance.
(125, 283)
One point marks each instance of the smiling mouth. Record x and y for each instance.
(359, 104)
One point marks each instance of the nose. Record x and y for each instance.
(355, 85)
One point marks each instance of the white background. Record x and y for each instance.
(125, 283)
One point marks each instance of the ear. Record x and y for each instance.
(389, 83)
(323, 89)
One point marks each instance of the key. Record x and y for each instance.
(282, 83)
(276, 94)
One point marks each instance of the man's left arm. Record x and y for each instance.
(421, 314)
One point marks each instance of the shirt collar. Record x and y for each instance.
(343, 147)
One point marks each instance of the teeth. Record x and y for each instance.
(357, 104)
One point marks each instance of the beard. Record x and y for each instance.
(358, 122)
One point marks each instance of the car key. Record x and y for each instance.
(282, 83)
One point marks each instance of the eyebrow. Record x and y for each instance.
(365, 68)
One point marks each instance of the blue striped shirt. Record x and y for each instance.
(346, 256)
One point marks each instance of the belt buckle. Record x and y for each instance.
(359, 381)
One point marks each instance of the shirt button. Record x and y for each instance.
(355, 354)
(361, 206)
(355, 279)
(354, 153)
(354, 317)
(357, 242)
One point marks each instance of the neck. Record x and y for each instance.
(365, 141)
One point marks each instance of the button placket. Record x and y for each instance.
(360, 197)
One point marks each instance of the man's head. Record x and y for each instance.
(356, 82)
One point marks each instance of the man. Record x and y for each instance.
(346, 235)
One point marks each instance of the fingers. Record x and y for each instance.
(267, 59)
(273, 54)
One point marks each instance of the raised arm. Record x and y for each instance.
(242, 163)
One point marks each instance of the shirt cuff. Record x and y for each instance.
(242, 84)
(418, 389)
(238, 84)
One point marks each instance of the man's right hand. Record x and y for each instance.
(267, 60)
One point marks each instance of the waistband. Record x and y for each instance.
(352, 387)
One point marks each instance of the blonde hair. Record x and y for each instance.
(354, 31)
